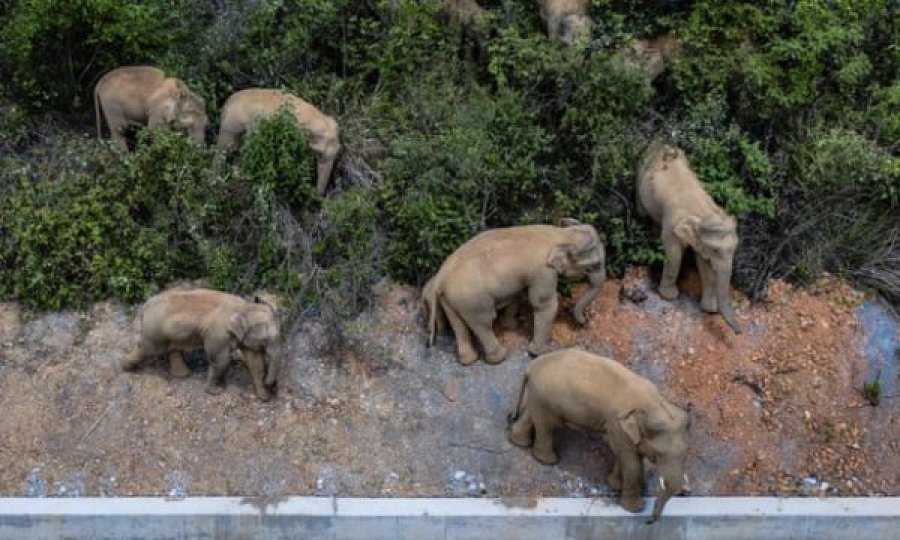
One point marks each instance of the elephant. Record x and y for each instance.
(245, 107)
(583, 391)
(566, 19)
(653, 55)
(138, 95)
(468, 12)
(226, 326)
(672, 195)
(493, 270)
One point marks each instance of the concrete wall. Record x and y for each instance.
(420, 519)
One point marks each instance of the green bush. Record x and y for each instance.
(54, 50)
(73, 238)
(466, 162)
(787, 110)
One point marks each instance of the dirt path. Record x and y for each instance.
(778, 410)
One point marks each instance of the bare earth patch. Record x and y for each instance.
(776, 410)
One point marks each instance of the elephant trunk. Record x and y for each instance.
(723, 277)
(597, 279)
(199, 135)
(670, 484)
(273, 364)
(323, 167)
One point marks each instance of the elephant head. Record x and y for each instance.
(582, 255)
(325, 144)
(714, 238)
(255, 330)
(190, 113)
(660, 434)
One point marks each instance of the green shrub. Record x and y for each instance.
(71, 239)
(53, 50)
(275, 157)
(468, 162)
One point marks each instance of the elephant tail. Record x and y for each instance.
(97, 109)
(430, 298)
(517, 411)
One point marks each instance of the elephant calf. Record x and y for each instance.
(491, 272)
(143, 95)
(245, 107)
(566, 19)
(226, 326)
(574, 388)
(672, 195)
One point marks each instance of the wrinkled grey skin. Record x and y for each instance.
(576, 389)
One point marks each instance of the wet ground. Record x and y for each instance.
(778, 410)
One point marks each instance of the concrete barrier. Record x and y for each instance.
(421, 519)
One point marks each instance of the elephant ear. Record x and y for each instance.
(686, 230)
(567, 222)
(560, 257)
(238, 325)
(629, 424)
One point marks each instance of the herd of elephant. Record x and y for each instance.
(143, 95)
(487, 277)
(492, 274)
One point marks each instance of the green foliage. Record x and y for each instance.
(733, 167)
(275, 158)
(788, 110)
(53, 50)
(73, 238)
(872, 390)
(837, 160)
(467, 163)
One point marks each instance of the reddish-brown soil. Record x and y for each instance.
(778, 409)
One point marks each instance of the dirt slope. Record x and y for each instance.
(777, 410)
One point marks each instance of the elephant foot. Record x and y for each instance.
(537, 349)
(520, 438)
(179, 370)
(496, 356)
(467, 357)
(579, 317)
(263, 395)
(547, 457)
(668, 292)
(128, 364)
(214, 389)
(614, 481)
(633, 504)
(710, 304)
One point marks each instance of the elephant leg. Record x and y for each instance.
(614, 478)
(521, 433)
(544, 428)
(227, 140)
(708, 300)
(324, 164)
(508, 319)
(631, 469)
(668, 285)
(545, 305)
(177, 367)
(145, 349)
(218, 366)
(256, 365)
(464, 346)
(482, 326)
